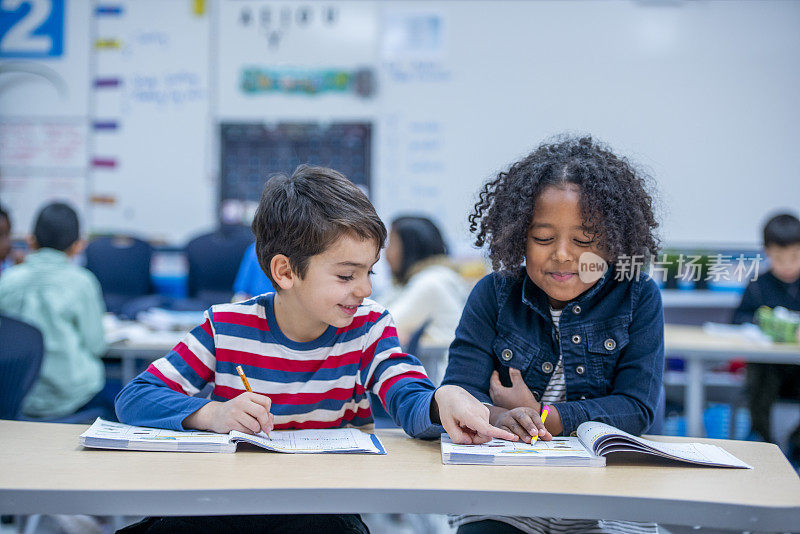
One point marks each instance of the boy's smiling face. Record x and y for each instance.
(335, 283)
(556, 239)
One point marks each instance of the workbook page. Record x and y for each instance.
(604, 439)
(109, 430)
(557, 447)
(312, 441)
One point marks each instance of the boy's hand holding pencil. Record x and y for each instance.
(249, 413)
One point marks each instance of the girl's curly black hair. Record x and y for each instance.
(615, 204)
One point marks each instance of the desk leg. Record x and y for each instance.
(694, 397)
(128, 370)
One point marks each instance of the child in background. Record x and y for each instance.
(311, 350)
(427, 287)
(588, 344)
(7, 256)
(780, 286)
(250, 279)
(65, 303)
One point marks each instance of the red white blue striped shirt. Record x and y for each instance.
(319, 384)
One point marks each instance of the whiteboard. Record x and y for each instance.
(158, 183)
(703, 95)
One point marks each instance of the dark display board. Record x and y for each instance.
(252, 152)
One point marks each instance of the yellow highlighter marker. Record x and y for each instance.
(545, 411)
(247, 386)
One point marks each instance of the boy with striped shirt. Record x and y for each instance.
(313, 349)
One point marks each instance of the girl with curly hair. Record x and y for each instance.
(558, 323)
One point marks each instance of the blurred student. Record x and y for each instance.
(780, 286)
(65, 303)
(250, 279)
(427, 287)
(7, 255)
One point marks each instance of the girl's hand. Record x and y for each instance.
(465, 419)
(513, 397)
(524, 422)
(248, 413)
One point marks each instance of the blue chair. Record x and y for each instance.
(122, 265)
(20, 360)
(214, 261)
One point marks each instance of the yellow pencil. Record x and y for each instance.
(244, 378)
(246, 385)
(544, 416)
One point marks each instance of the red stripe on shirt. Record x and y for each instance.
(171, 384)
(349, 415)
(194, 362)
(292, 399)
(360, 321)
(387, 385)
(284, 364)
(206, 326)
(244, 319)
(369, 353)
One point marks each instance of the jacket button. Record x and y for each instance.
(576, 310)
(577, 339)
(610, 344)
(506, 354)
(547, 367)
(580, 369)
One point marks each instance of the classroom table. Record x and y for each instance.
(44, 470)
(698, 348)
(141, 347)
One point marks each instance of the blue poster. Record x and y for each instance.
(31, 28)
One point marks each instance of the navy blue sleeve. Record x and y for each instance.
(751, 301)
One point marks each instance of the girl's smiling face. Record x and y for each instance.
(555, 241)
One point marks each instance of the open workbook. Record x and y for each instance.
(108, 435)
(593, 443)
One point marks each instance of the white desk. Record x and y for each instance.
(43, 470)
(140, 343)
(697, 348)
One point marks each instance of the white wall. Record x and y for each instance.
(703, 94)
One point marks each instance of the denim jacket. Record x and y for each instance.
(611, 338)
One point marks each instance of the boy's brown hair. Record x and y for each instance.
(302, 215)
